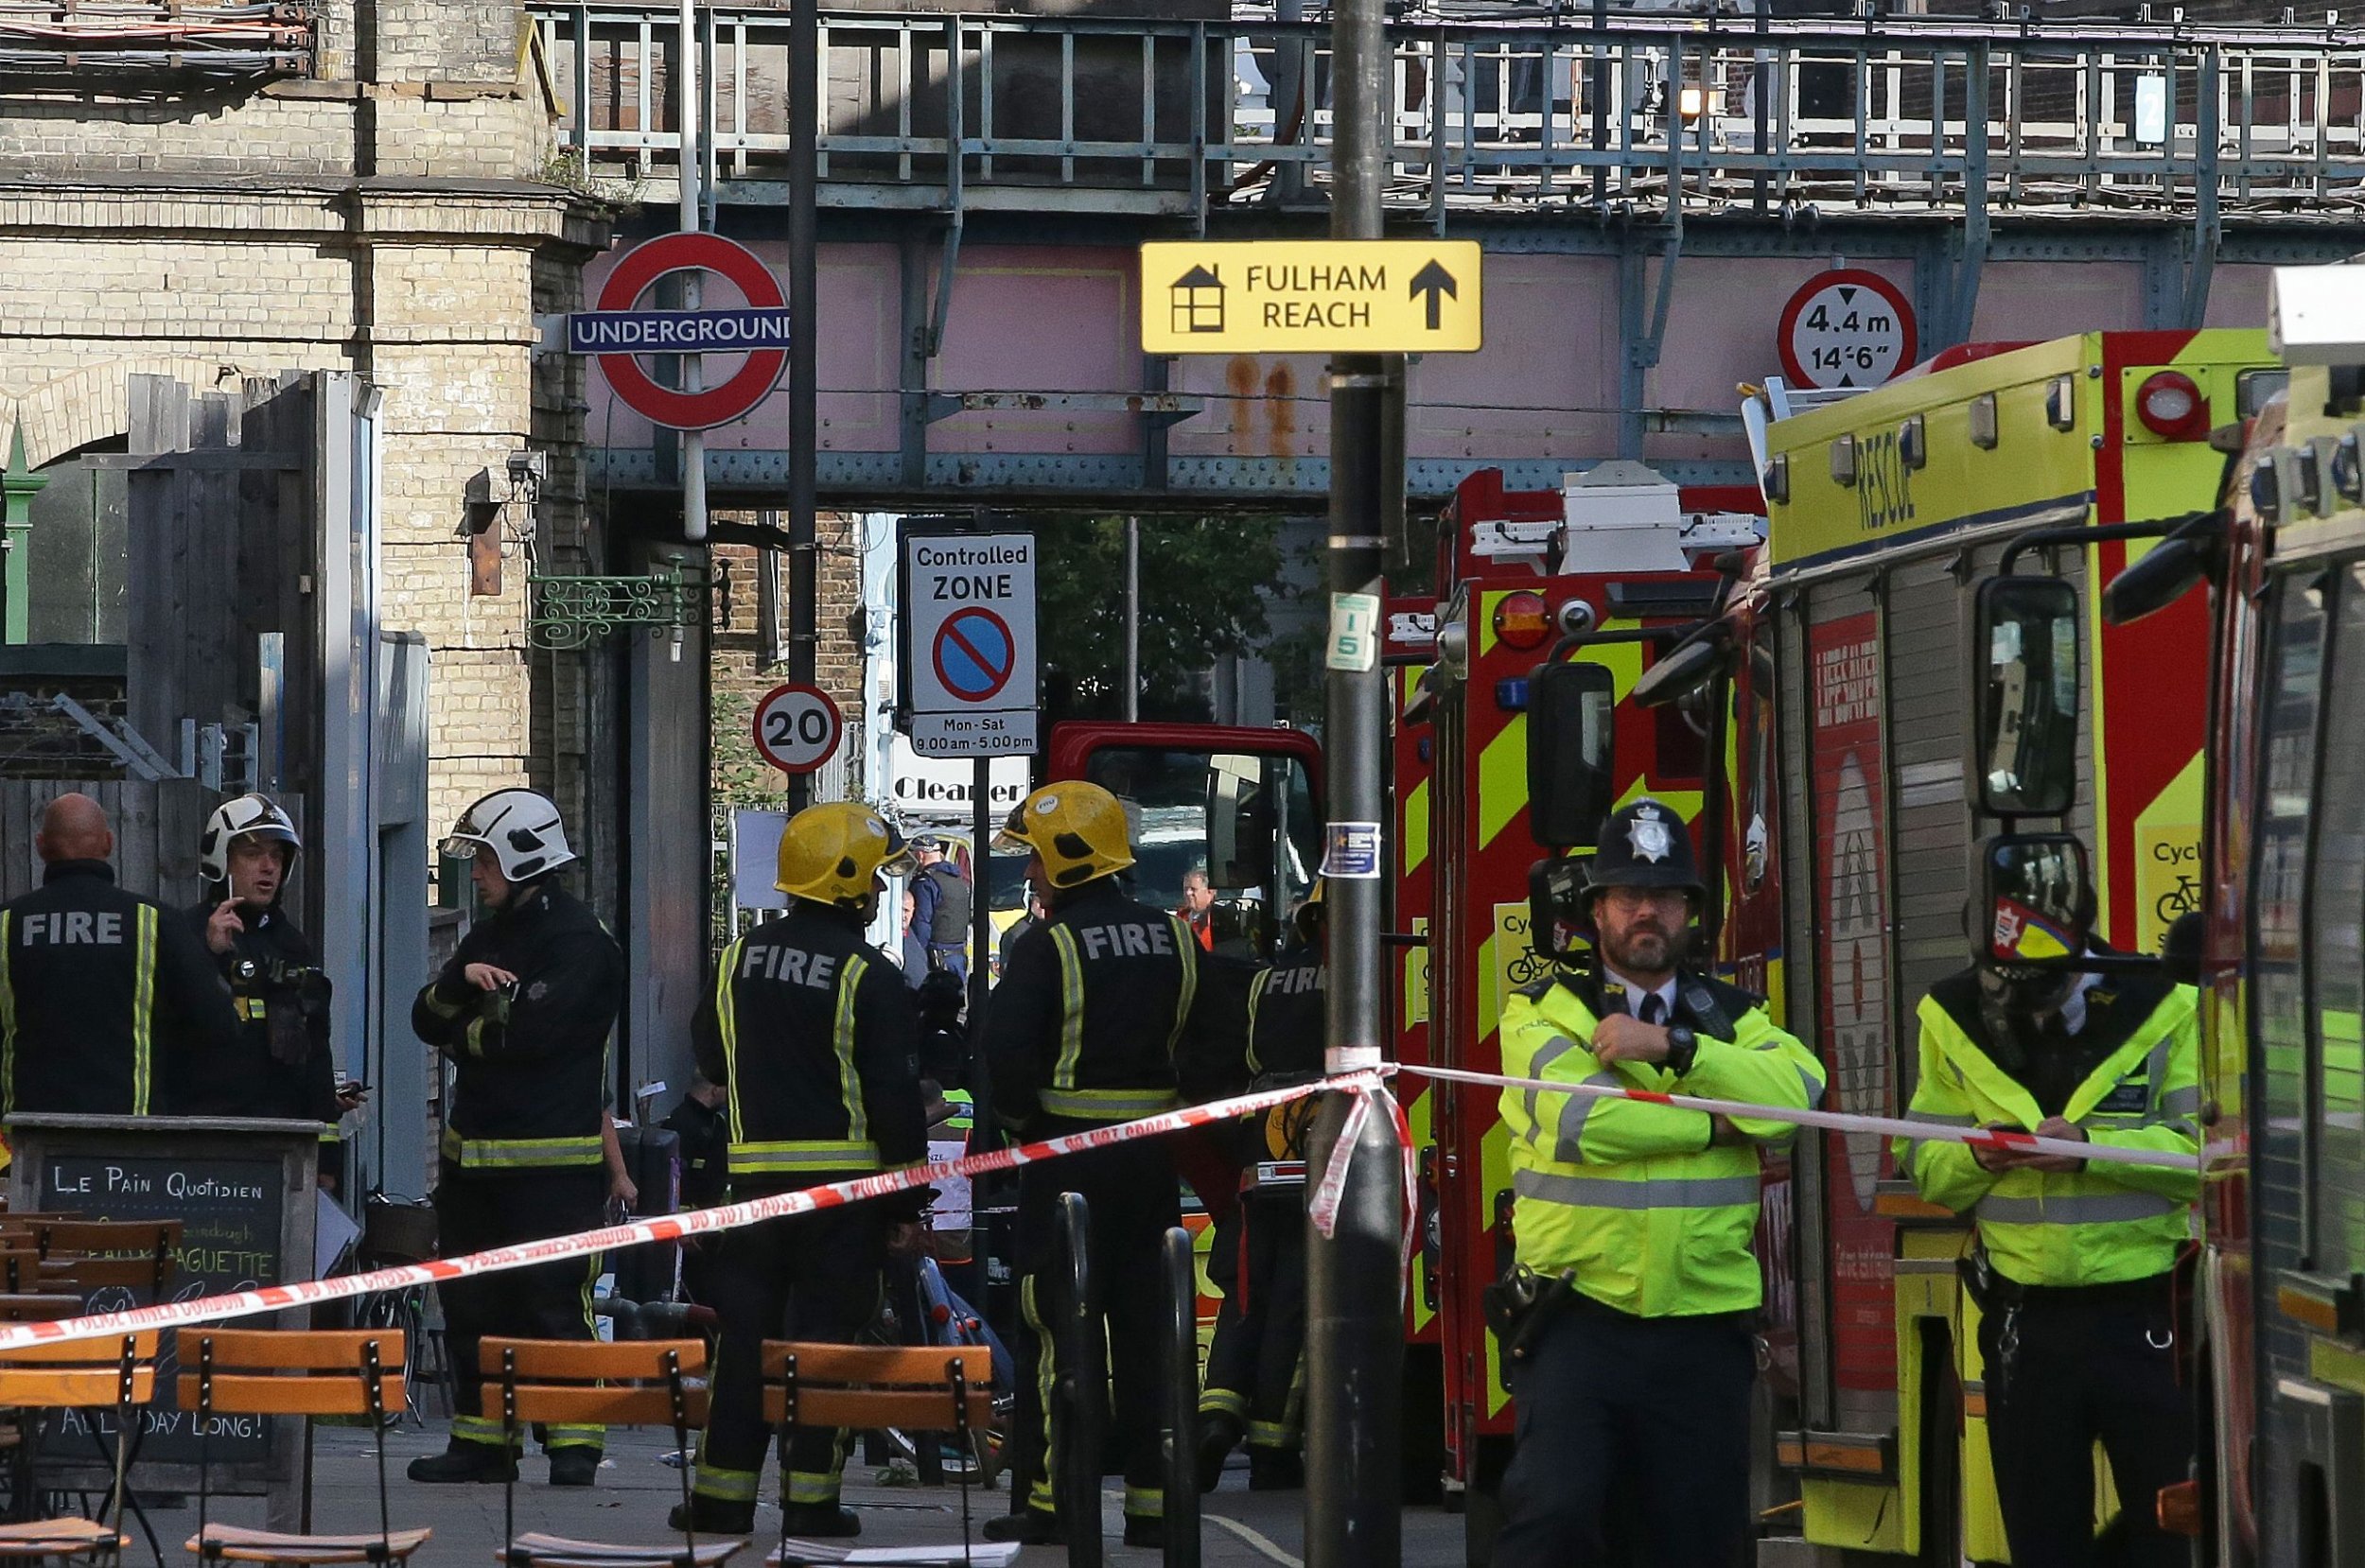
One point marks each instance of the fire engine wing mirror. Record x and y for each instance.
(2028, 737)
(1680, 671)
(1572, 711)
(2168, 572)
(1557, 905)
(2034, 898)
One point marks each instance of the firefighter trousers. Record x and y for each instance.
(1134, 1199)
(2066, 1369)
(810, 1276)
(476, 1209)
(1256, 1366)
(1632, 1443)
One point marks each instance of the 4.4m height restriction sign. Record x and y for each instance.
(1846, 327)
(968, 654)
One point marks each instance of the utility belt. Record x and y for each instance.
(1519, 1305)
(1992, 1292)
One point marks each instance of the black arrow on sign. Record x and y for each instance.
(1434, 281)
(1846, 296)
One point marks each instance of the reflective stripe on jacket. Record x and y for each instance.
(1650, 1210)
(2096, 1226)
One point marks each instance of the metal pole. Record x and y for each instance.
(981, 831)
(693, 164)
(804, 118)
(1132, 620)
(1354, 1311)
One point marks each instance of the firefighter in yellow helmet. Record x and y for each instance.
(815, 1038)
(1100, 1018)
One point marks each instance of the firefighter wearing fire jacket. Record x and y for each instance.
(281, 1065)
(1634, 1343)
(1255, 1367)
(1096, 1022)
(814, 1036)
(523, 1011)
(108, 1002)
(2076, 1258)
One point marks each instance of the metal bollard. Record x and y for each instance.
(1181, 1402)
(1082, 1393)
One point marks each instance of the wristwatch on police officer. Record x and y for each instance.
(1682, 1045)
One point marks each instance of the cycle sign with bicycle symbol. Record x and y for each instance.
(2168, 879)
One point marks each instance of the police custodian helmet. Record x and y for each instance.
(1644, 843)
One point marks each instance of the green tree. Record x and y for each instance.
(1203, 582)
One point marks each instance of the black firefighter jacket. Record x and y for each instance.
(278, 1063)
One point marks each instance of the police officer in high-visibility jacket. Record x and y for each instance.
(1095, 1022)
(814, 1037)
(1254, 1384)
(2076, 1258)
(522, 1011)
(1633, 1392)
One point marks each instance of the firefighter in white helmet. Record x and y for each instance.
(280, 1063)
(523, 1011)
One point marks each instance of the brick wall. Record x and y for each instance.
(741, 675)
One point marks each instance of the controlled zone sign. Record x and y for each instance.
(798, 727)
(1847, 328)
(968, 651)
(1342, 296)
(616, 331)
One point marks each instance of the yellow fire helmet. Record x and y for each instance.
(1077, 828)
(832, 854)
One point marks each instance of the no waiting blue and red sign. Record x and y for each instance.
(973, 654)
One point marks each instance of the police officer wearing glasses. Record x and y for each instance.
(2073, 1276)
(1634, 1347)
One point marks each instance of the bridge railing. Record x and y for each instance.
(1087, 113)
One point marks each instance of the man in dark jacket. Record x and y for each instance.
(1100, 1018)
(941, 906)
(814, 1036)
(108, 1004)
(523, 1011)
(280, 1064)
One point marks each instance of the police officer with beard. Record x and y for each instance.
(281, 1065)
(1633, 1223)
(2077, 1260)
(523, 1012)
(814, 1036)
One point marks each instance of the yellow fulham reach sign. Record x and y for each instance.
(1310, 296)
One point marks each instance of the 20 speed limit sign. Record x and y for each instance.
(798, 727)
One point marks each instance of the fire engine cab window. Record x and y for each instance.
(2336, 907)
(2278, 891)
(1245, 822)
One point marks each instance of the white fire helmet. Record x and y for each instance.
(522, 828)
(256, 814)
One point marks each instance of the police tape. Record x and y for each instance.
(1329, 1193)
(1837, 1121)
(695, 1222)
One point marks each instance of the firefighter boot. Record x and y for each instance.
(1146, 1529)
(1033, 1526)
(712, 1516)
(575, 1465)
(465, 1461)
(1276, 1469)
(1218, 1434)
(818, 1520)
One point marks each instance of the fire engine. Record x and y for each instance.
(1887, 511)
(2281, 1288)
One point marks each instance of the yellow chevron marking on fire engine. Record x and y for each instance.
(1415, 839)
(1494, 1176)
(1502, 779)
(2167, 856)
(1420, 1120)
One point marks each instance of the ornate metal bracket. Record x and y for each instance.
(576, 612)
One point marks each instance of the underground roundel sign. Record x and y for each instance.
(715, 332)
(1846, 328)
(798, 727)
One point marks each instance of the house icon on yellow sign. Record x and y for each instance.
(1195, 301)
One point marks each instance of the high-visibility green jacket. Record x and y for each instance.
(1652, 1214)
(2096, 1226)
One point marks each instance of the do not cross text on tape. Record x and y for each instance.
(1359, 296)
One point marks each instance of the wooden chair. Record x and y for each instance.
(79, 1374)
(87, 1255)
(922, 1389)
(586, 1383)
(292, 1372)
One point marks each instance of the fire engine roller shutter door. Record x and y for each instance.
(1802, 969)
(2336, 909)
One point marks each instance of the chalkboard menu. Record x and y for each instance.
(242, 1191)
